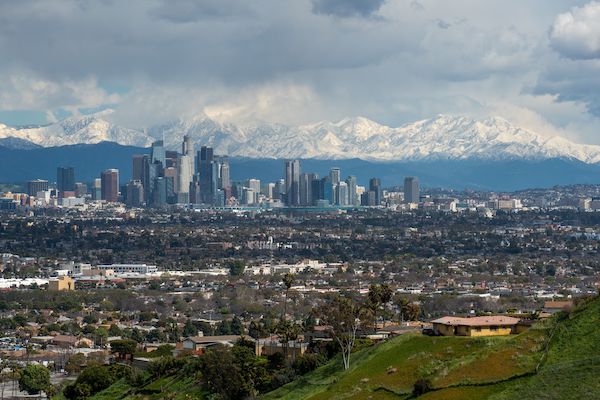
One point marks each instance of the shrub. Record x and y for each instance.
(421, 387)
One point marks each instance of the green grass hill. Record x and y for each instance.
(556, 359)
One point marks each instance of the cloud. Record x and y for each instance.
(347, 8)
(576, 34)
(292, 62)
(20, 91)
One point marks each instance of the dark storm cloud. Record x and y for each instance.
(347, 8)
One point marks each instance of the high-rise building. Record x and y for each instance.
(352, 196)
(279, 191)
(336, 175)
(171, 172)
(375, 186)
(97, 189)
(342, 194)
(254, 184)
(187, 147)
(134, 194)
(159, 195)
(224, 174)
(80, 189)
(138, 166)
(292, 182)
(411, 190)
(368, 199)
(185, 171)
(208, 175)
(65, 179)
(110, 185)
(158, 153)
(327, 190)
(35, 186)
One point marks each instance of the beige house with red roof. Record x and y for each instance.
(475, 326)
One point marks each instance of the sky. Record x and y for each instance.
(535, 63)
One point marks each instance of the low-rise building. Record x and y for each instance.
(475, 326)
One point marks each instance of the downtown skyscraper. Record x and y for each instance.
(292, 182)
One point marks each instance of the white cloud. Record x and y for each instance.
(576, 34)
(19, 91)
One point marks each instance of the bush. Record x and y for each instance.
(307, 362)
(421, 387)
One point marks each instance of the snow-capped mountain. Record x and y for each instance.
(439, 138)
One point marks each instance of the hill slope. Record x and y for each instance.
(566, 353)
(557, 359)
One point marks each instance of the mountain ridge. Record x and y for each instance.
(444, 137)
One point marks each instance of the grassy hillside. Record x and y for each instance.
(556, 359)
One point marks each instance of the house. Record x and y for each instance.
(198, 344)
(61, 283)
(552, 307)
(475, 326)
(273, 344)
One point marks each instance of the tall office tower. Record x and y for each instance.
(292, 182)
(316, 190)
(411, 189)
(65, 179)
(110, 185)
(158, 153)
(187, 147)
(341, 194)
(204, 154)
(171, 173)
(368, 199)
(134, 193)
(80, 189)
(248, 196)
(195, 190)
(97, 189)
(336, 175)
(327, 190)
(208, 171)
(171, 158)
(352, 196)
(375, 186)
(224, 177)
(37, 185)
(220, 198)
(138, 166)
(184, 175)
(159, 195)
(279, 191)
(254, 184)
(305, 189)
(270, 190)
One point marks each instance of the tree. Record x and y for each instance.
(223, 376)
(123, 348)
(343, 316)
(408, 311)
(236, 268)
(378, 296)
(34, 379)
(189, 329)
(287, 331)
(288, 281)
(100, 336)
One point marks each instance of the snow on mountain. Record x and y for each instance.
(442, 137)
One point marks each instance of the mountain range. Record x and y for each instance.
(444, 137)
